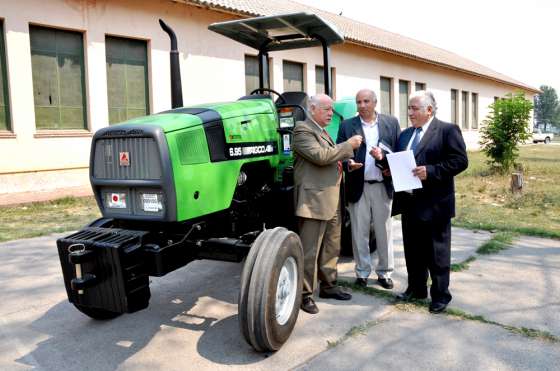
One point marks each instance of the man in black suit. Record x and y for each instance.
(440, 154)
(369, 193)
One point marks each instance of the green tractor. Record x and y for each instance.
(211, 181)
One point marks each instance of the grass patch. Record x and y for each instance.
(353, 332)
(415, 304)
(484, 200)
(458, 267)
(43, 218)
(500, 241)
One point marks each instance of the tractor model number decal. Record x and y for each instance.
(251, 150)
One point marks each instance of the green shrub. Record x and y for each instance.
(506, 126)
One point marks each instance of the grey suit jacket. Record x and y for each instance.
(316, 177)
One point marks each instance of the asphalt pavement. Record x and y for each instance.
(191, 323)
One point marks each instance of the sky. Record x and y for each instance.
(517, 38)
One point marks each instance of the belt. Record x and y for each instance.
(373, 181)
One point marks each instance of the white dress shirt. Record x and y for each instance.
(371, 133)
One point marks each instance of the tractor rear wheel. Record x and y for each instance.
(273, 297)
(97, 313)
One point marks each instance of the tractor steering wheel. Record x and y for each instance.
(262, 90)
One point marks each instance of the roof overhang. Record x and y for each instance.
(280, 32)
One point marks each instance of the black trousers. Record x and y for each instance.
(427, 249)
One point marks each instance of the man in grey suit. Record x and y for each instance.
(317, 177)
(368, 191)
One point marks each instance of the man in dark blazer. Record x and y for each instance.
(317, 177)
(369, 193)
(440, 154)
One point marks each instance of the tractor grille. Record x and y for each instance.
(126, 158)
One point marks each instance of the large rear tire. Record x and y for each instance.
(96, 313)
(271, 306)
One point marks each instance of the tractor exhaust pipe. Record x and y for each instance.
(176, 88)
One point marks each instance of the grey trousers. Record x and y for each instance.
(321, 247)
(373, 209)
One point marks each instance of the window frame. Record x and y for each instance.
(465, 110)
(146, 77)
(8, 130)
(62, 131)
(403, 105)
(382, 105)
(303, 76)
(454, 113)
(268, 84)
(333, 80)
(474, 111)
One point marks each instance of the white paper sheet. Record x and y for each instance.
(401, 165)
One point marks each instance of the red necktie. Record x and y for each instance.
(339, 163)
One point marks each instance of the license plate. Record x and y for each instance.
(150, 203)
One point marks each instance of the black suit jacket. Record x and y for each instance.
(389, 131)
(442, 150)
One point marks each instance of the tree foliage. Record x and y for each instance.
(547, 107)
(505, 127)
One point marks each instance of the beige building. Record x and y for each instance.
(70, 67)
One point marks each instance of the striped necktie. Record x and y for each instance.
(416, 139)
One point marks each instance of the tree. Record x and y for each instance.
(504, 128)
(547, 108)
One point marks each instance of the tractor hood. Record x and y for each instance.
(181, 118)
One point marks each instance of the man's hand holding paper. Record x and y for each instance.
(404, 171)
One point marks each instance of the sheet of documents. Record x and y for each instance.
(401, 165)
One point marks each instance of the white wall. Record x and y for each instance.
(212, 70)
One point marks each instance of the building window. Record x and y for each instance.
(474, 114)
(57, 60)
(293, 76)
(404, 92)
(465, 109)
(386, 97)
(127, 78)
(4, 103)
(420, 86)
(320, 81)
(454, 106)
(252, 74)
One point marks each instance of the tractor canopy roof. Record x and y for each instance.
(280, 32)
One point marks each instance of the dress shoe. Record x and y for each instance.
(386, 283)
(437, 307)
(362, 282)
(335, 293)
(308, 305)
(409, 295)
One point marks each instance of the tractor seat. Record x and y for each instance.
(295, 97)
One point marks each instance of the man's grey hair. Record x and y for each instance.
(315, 101)
(427, 99)
(370, 92)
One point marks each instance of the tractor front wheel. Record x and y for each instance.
(271, 285)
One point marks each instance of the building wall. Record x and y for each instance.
(212, 69)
